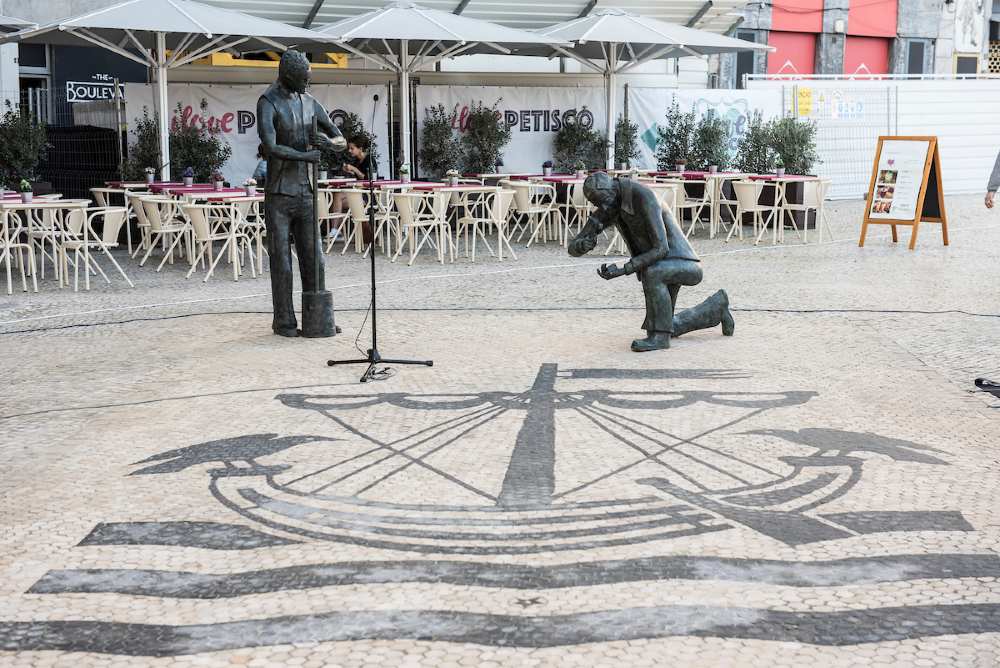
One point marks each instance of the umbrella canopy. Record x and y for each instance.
(405, 37)
(165, 34)
(640, 38)
(623, 41)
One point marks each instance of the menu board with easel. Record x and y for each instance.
(906, 187)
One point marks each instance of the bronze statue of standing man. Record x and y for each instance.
(661, 257)
(286, 116)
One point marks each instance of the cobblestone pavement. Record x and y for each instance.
(181, 488)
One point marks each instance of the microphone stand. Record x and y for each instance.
(374, 358)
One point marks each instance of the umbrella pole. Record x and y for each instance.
(404, 102)
(163, 110)
(609, 82)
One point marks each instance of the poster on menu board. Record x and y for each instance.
(905, 187)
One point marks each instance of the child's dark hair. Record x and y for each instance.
(361, 141)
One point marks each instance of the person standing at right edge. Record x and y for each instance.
(985, 384)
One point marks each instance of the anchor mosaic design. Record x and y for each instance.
(684, 485)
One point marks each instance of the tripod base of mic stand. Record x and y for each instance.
(373, 360)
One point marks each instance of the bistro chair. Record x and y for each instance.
(166, 228)
(332, 223)
(12, 247)
(79, 237)
(136, 209)
(534, 203)
(696, 205)
(576, 208)
(385, 221)
(104, 196)
(748, 197)
(813, 199)
(422, 215)
(491, 213)
(218, 222)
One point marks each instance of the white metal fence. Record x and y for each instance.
(850, 114)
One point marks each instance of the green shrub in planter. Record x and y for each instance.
(674, 139)
(440, 149)
(711, 143)
(753, 152)
(575, 145)
(144, 149)
(794, 141)
(626, 142)
(484, 139)
(23, 142)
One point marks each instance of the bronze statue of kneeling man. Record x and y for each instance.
(661, 256)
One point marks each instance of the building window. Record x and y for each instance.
(915, 52)
(745, 59)
(33, 58)
(966, 64)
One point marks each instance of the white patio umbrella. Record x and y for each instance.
(164, 34)
(404, 37)
(623, 41)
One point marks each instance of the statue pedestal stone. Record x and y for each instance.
(317, 314)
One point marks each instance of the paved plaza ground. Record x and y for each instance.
(179, 487)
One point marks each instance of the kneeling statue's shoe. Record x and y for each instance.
(728, 324)
(655, 341)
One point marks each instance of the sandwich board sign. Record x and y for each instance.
(905, 187)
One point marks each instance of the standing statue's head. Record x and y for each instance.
(293, 71)
(601, 190)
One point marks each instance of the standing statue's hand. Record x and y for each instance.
(319, 140)
(609, 271)
(312, 156)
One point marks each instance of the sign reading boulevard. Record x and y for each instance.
(905, 187)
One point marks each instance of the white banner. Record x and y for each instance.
(234, 109)
(534, 115)
(648, 109)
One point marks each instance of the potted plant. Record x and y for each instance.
(404, 173)
(452, 176)
(779, 166)
(440, 147)
(323, 174)
(626, 143)
(218, 179)
(188, 176)
(713, 169)
(25, 189)
(547, 168)
(250, 185)
(498, 165)
(675, 137)
(679, 165)
(150, 174)
(484, 139)
(581, 170)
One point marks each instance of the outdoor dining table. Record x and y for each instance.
(181, 189)
(193, 193)
(56, 206)
(335, 183)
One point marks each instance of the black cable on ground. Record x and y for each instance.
(501, 309)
